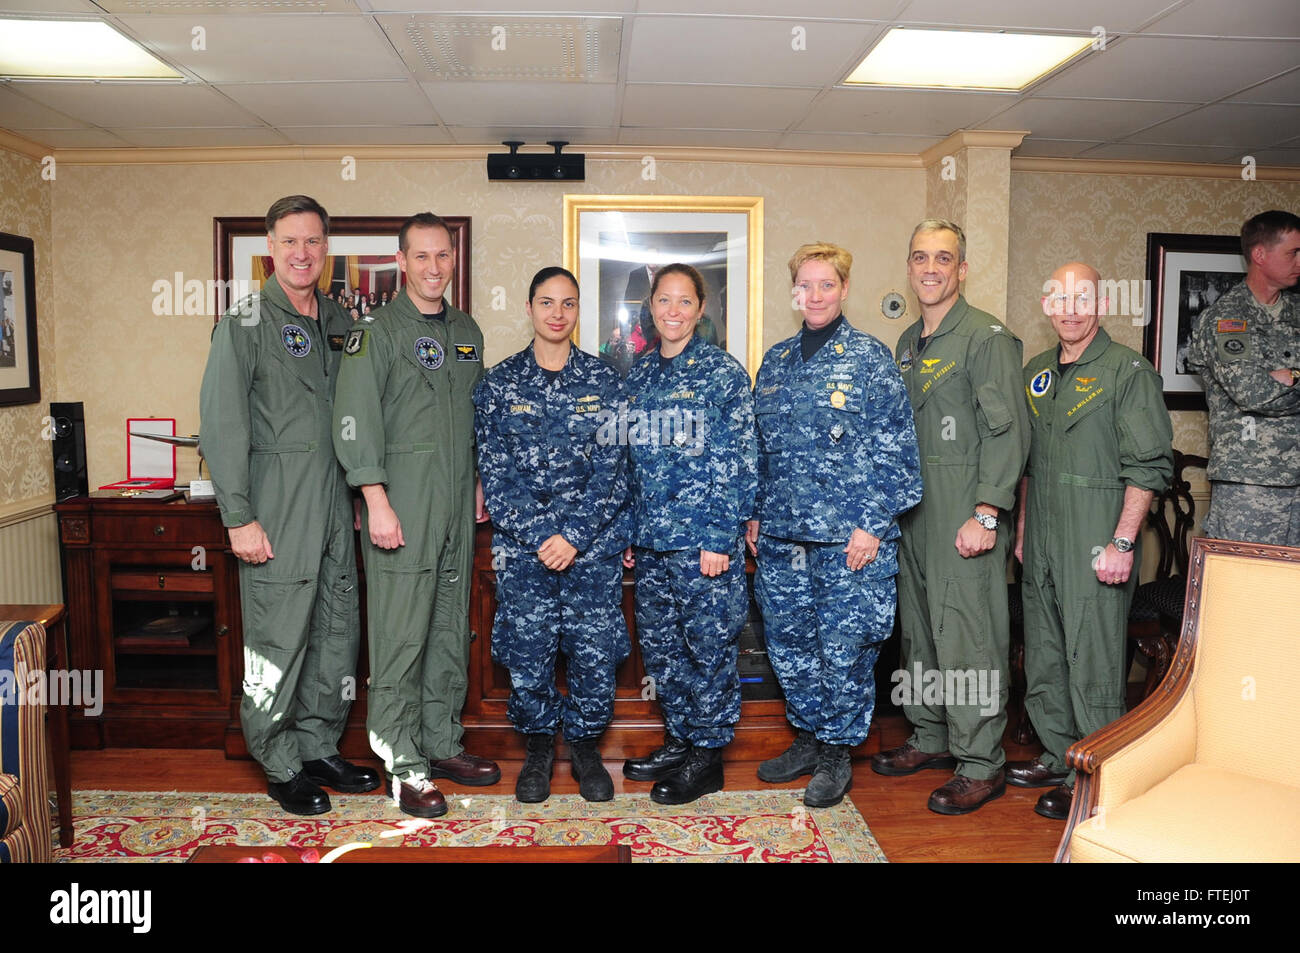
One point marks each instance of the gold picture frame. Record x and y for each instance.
(613, 242)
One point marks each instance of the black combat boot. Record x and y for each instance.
(659, 763)
(832, 778)
(594, 782)
(534, 783)
(699, 774)
(795, 761)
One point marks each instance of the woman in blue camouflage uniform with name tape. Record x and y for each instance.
(838, 466)
(690, 428)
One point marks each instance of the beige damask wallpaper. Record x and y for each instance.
(106, 233)
(120, 228)
(26, 472)
(1103, 220)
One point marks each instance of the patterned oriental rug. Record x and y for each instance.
(733, 826)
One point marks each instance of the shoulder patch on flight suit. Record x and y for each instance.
(429, 353)
(466, 352)
(1041, 382)
(295, 340)
(905, 361)
(336, 341)
(356, 342)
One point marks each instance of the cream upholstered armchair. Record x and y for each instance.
(1204, 769)
(24, 769)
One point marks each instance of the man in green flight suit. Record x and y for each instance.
(265, 409)
(404, 432)
(1101, 448)
(962, 371)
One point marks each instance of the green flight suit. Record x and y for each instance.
(404, 417)
(1098, 426)
(266, 409)
(973, 432)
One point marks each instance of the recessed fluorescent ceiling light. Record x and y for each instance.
(74, 49)
(964, 59)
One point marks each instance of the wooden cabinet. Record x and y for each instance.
(153, 600)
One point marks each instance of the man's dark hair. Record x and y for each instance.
(1267, 229)
(292, 205)
(420, 220)
(545, 275)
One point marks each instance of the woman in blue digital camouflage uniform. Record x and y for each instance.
(690, 430)
(838, 464)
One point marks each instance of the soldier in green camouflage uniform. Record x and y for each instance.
(1246, 347)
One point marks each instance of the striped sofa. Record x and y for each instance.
(25, 827)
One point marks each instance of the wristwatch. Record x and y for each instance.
(988, 522)
(1122, 544)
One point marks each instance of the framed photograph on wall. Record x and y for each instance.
(362, 259)
(1185, 275)
(20, 370)
(614, 244)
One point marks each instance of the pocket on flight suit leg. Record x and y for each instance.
(962, 640)
(1097, 660)
(277, 615)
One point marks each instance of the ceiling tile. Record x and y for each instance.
(909, 112)
(488, 47)
(1282, 157)
(48, 7)
(1283, 89)
(246, 49)
(333, 104)
(73, 138)
(366, 135)
(1272, 18)
(1152, 152)
(139, 105)
(534, 136)
(1057, 148)
(226, 7)
(1098, 119)
(743, 51)
(1153, 68)
(705, 138)
(524, 104)
(1115, 16)
(212, 138)
(505, 7)
(17, 110)
(1236, 125)
(733, 107)
(854, 142)
(839, 9)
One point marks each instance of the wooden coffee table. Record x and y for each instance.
(602, 854)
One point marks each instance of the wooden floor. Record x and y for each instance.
(1003, 830)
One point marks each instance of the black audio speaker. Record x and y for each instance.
(69, 450)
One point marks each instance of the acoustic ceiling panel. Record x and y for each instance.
(550, 49)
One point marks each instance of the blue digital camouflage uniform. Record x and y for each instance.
(690, 429)
(837, 453)
(544, 471)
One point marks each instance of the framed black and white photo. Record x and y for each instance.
(615, 243)
(20, 372)
(1185, 275)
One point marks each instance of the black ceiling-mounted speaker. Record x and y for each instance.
(516, 167)
(69, 442)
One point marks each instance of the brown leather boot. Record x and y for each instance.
(907, 759)
(962, 795)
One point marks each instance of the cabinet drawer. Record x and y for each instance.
(161, 528)
(175, 579)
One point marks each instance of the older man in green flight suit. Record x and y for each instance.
(1101, 449)
(962, 371)
(265, 406)
(404, 432)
